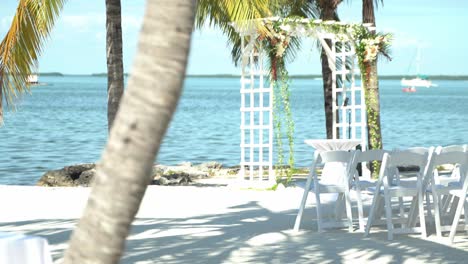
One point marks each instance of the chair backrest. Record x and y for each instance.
(370, 155)
(409, 157)
(458, 158)
(412, 157)
(365, 159)
(452, 148)
(451, 157)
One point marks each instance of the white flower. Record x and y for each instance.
(280, 50)
(300, 29)
(373, 50)
(285, 27)
(371, 53)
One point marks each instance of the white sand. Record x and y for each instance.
(218, 225)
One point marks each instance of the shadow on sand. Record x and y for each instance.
(249, 233)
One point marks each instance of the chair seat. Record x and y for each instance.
(443, 189)
(397, 190)
(364, 184)
(447, 180)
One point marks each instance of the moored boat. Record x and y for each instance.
(410, 89)
(32, 79)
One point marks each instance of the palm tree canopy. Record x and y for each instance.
(23, 43)
(221, 13)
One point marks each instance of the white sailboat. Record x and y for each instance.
(419, 80)
(32, 79)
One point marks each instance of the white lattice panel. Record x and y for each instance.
(256, 115)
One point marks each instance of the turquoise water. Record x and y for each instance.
(65, 123)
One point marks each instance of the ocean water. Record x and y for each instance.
(64, 123)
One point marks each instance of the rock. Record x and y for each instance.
(172, 178)
(211, 165)
(158, 170)
(86, 178)
(69, 176)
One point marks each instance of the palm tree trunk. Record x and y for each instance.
(368, 12)
(144, 115)
(115, 74)
(328, 12)
(371, 87)
(371, 94)
(372, 98)
(327, 92)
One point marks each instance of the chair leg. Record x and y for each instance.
(456, 218)
(388, 216)
(422, 219)
(318, 207)
(349, 212)
(466, 222)
(360, 209)
(445, 203)
(428, 206)
(453, 207)
(303, 202)
(380, 209)
(372, 212)
(437, 214)
(339, 206)
(411, 221)
(402, 210)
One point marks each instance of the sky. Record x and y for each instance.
(77, 44)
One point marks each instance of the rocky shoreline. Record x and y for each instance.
(182, 174)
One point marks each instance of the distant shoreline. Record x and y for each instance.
(293, 76)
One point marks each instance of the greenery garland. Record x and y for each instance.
(276, 44)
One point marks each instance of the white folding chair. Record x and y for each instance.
(364, 157)
(335, 178)
(390, 185)
(451, 178)
(438, 189)
(462, 195)
(445, 179)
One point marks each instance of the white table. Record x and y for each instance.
(336, 168)
(24, 249)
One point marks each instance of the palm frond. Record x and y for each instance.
(222, 12)
(23, 43)
(377, 3)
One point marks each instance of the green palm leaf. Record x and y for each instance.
(22, 45)
(222, 13)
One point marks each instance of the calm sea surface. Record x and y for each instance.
(64, 123)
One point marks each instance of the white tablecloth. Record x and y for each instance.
(332, 144)
(23, 249)
(333, 172)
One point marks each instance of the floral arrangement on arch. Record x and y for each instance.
(277, 38)
(370, 44)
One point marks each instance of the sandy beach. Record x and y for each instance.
(188, 224)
